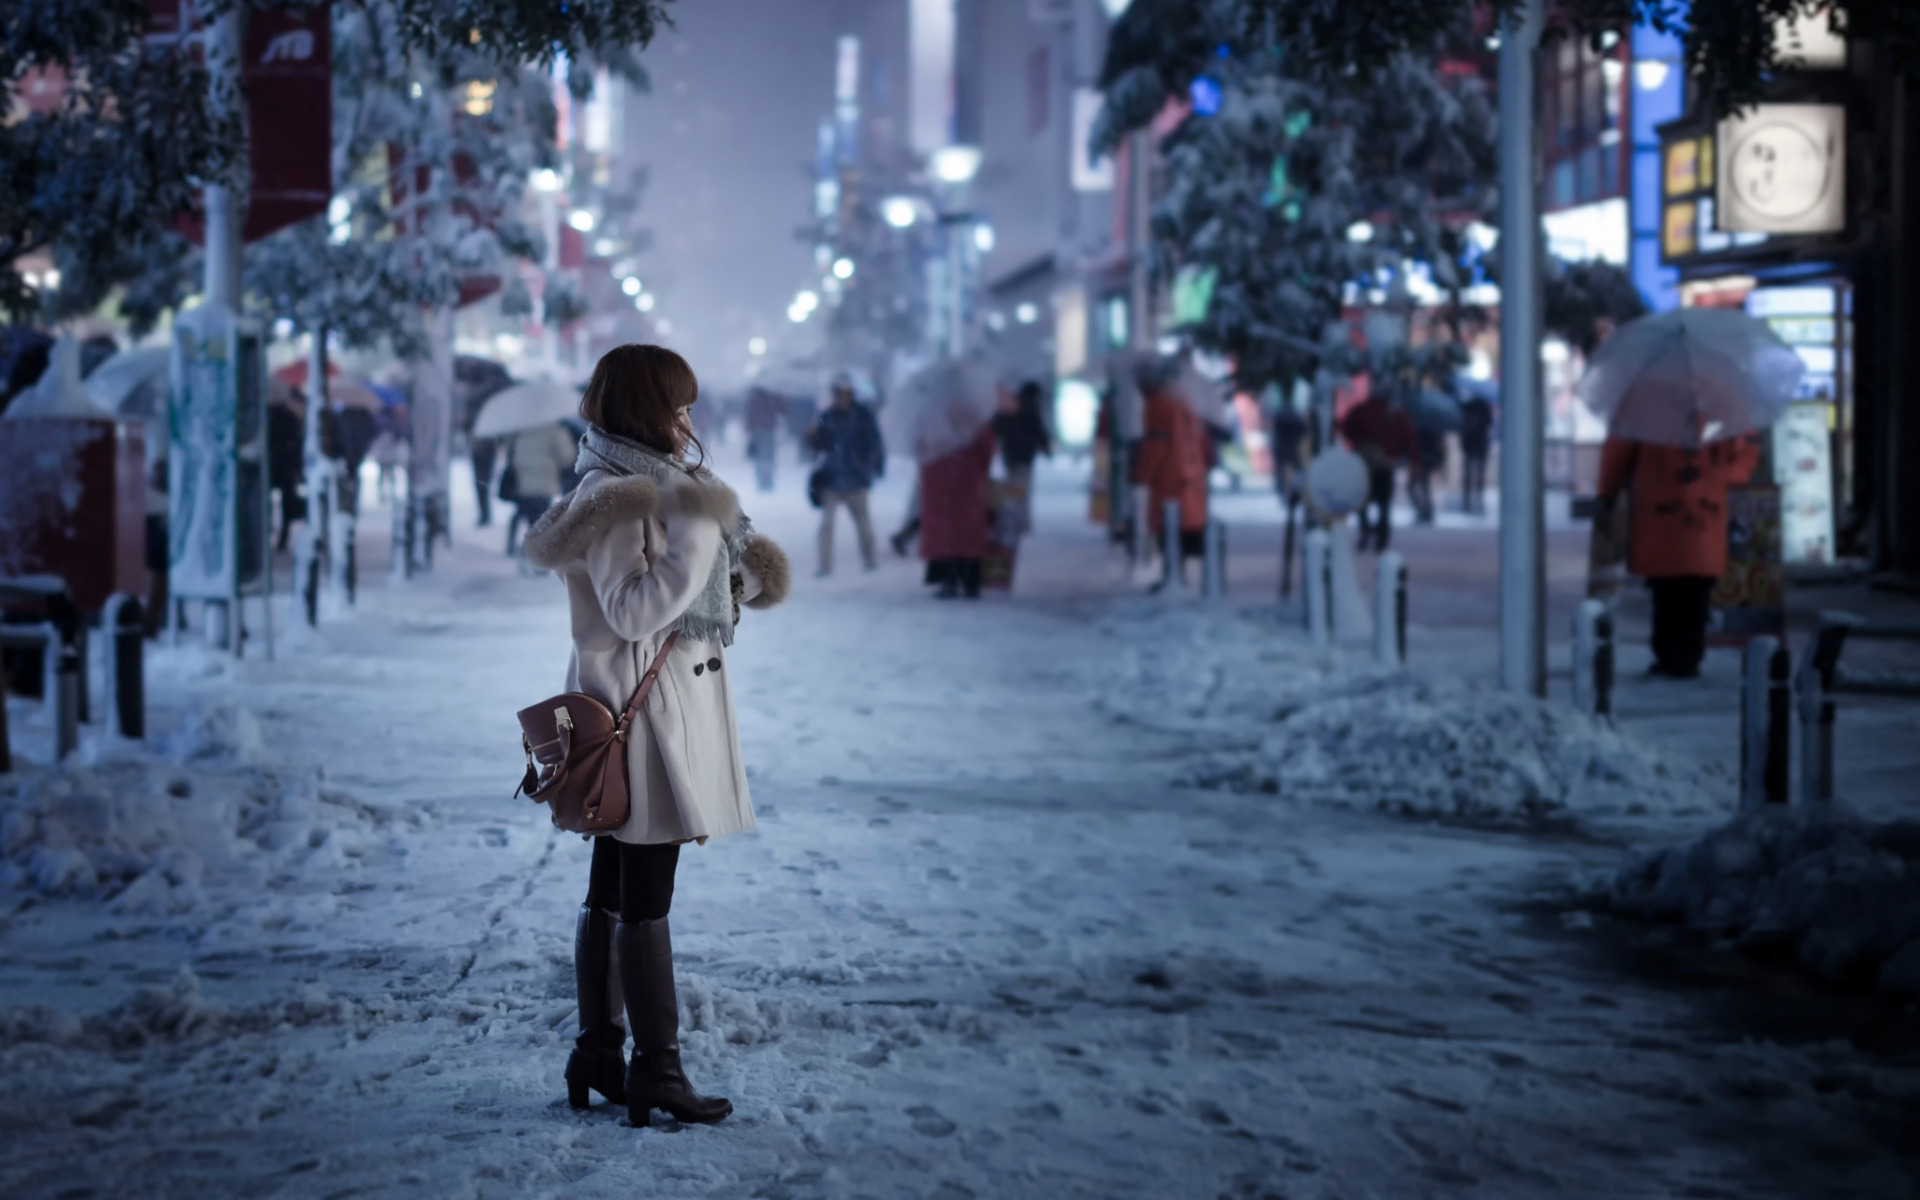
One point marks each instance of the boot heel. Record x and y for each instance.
(641, 1117)
(577, 1095)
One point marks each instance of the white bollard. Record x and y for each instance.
(1176, 576)
(1213, 567)
(1142, 532)
(1390, 610)
(1316, 577)
(1586, 639)
(1352, 622)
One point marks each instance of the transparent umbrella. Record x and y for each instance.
(1691, 376)
(526, 405)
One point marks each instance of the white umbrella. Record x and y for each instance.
(526, 405)
(1206, 397)
(942, 407)
(120, 378)
(1691, 376)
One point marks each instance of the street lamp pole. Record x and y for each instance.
(1522, 481)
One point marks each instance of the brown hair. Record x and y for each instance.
(642, 393)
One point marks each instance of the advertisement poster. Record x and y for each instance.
(1803, 467)
(202, 471)
(1751, 598)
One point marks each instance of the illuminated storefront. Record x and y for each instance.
(1764, 210)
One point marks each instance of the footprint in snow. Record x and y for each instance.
(929, 1122)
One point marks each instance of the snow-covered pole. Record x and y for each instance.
(1390, 610)
(1176, 574)
(313, 540)
(1522, 527)
(1316, 573)
(1764, 717)
(223, 199)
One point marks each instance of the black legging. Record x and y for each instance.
(634, 881)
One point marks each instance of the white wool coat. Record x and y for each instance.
(633, 556)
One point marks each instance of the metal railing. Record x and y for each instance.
(1821, 678)
(61, 639)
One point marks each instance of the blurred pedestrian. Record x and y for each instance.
(657, 560)
(536, 458)
(1678, 538)
(1173, 461)
(1382, 435)
(286, 456)
(765, 411)
(1476, 442)
(945, 412)
(1023, 436)
(851, 455)
(485, 452)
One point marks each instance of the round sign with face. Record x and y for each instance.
(1337, 482)
(1779, 171)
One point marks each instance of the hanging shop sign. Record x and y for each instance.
(1783, 169)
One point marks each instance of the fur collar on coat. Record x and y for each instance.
(562, 535)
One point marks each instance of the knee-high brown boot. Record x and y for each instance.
(655, 1078)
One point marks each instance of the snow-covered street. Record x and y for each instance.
(988, 941)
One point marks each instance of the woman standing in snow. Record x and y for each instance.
(651, 545)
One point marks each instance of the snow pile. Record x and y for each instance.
(175, 1011)
(1276, 715)
(1838, 894)
(1404, 745)
(151, 831)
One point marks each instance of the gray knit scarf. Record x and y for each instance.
(713, 613)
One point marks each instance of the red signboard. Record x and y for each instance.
(289, 80)
(287, 72)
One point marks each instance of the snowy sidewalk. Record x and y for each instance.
(982, 945)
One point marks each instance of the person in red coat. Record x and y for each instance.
(1382, 434)
(1175, 455)
(953, 516)
(1678, 542)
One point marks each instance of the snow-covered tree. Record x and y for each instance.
(115, 137)
(1300, 195)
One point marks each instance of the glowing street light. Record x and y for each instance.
(757, 346)
(983, 238)
(956, 164)
(630, 285)
(1360, 231)
(899, 211)
(1027, 313)
(581, 219)
(843, 268)
(546, 179)
(644, 302)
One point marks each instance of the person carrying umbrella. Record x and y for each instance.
(1175, 457)
(1683, 393)
(947, 411)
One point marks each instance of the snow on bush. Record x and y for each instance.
(1839, 894)
(1276, 715)
(149, 830)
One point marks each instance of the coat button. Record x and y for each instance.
(713, 664)
(697, 668)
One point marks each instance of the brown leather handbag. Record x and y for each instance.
(577, 755)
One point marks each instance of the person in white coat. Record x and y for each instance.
(651, 546)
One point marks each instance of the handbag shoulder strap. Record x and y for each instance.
(641, 693)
